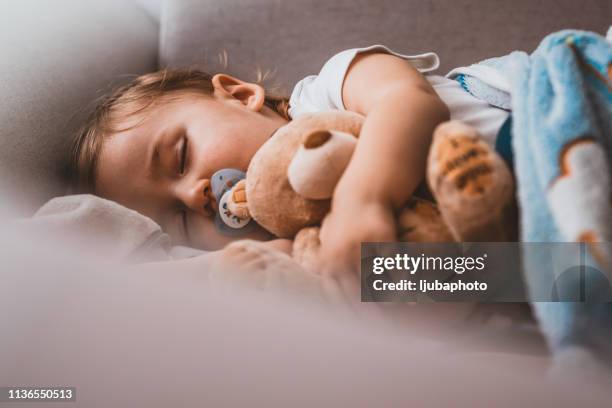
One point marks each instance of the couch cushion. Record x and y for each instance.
(296, 37)
(55, 59)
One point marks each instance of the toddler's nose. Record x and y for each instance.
(201, 199)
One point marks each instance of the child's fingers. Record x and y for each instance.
(283, 245)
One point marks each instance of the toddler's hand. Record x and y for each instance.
(342, 233)
(265, 266)
(250, 261)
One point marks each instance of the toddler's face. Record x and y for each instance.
(163, 166)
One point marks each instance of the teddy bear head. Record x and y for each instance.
(291, 178)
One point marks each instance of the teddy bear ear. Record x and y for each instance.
(315, 139)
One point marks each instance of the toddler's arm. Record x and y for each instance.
(248, 263)
(240, 257)
(401, 110)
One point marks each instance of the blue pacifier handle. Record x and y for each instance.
(227, 223)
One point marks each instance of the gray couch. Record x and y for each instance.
(153, 338)
(58, 57)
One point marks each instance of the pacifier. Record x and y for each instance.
(226, 222)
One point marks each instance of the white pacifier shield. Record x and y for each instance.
(227, 217)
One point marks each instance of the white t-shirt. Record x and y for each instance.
(323, 92)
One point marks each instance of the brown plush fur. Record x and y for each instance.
(275, 205)
(271, 200)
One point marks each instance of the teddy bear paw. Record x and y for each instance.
(237, 203)
(472, 185)
(421, 221)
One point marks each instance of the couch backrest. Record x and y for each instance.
(55, 59)
(296, 37)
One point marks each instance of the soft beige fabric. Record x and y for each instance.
(93, 225)
(141, 339)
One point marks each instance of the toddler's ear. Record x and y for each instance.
(231, 88)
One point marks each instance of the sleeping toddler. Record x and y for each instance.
(155, 144)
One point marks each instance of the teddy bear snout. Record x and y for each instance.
(315, 139)
(319, 162)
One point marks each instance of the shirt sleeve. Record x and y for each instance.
(322, 92)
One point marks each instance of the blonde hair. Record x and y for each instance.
(131, 99)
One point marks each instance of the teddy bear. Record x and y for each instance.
(291, 179)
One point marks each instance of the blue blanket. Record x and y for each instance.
(561, 103)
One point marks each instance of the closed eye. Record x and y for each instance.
(183, 155)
